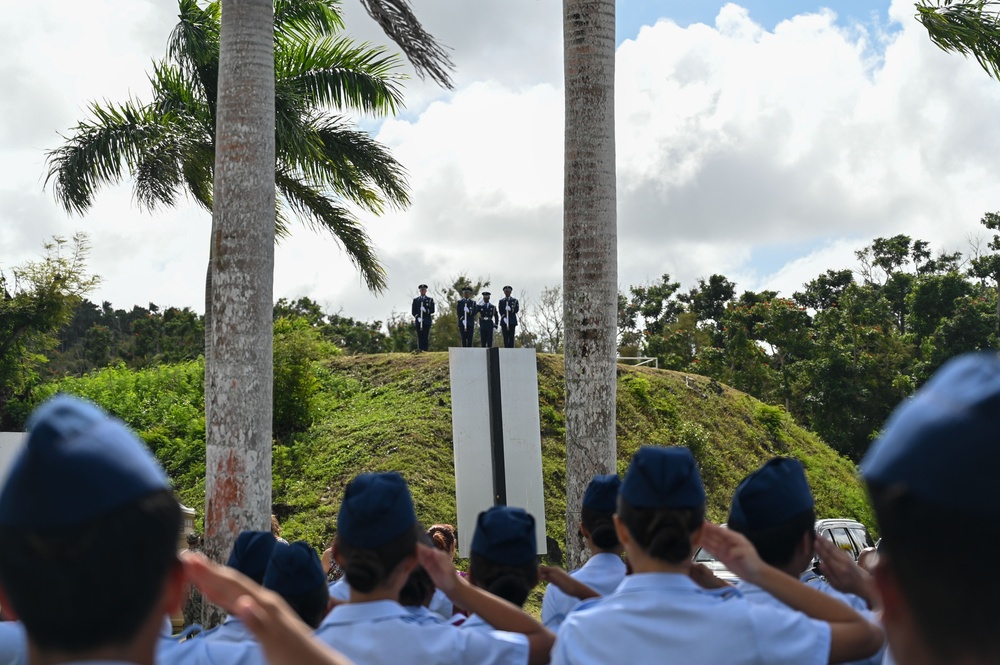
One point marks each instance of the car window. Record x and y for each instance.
(702, 556)
(843, 541)
(861, 537)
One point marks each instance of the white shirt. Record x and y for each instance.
(602, 572)
(383, 632)
(667, 618)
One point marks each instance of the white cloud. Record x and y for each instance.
(733, 142)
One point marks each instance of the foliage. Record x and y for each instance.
(324, 164)
(35, 302)
(297, 346)
(969, 28)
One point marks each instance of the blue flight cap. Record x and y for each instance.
(771, 495)
(505, 536)
(377, 507)
(943, 444)
(77, 464)
(663, 478)
(294, 570)
(602, 493)
(251, 552)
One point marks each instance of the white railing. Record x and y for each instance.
(641, 360)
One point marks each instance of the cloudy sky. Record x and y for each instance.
(765, 140)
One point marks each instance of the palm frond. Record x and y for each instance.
(969, 28)
(199, 173)
(321, 213)
(100, 152)
(194, 46)
(317, 16)
(425, 54)
(337, 73)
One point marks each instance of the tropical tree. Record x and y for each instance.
(590, 251)
(324, 165)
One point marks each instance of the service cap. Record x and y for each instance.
(663, 478)
(377, 507)
(602, 493)
(251, 552)
(771, 495)
(506, 536)
(294, 570)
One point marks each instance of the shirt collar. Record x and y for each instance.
(375, 610)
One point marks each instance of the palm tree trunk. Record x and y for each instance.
(238, 374)
(590, 252)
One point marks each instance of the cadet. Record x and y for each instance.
(423, 316)
(773, 507)
(605, 569)
(295, 573)
(658, 614)
(466, 312)
(376, 544)
(504, 557)
(488, 319)
(509, 307)
(250, 555)
(934, 466)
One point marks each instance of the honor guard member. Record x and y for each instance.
(659, 614)
(936, 463)
(423, 316)
(604, 570)
(377, 545)
(296, 574)
(504, 557)
(465, 309)
(773, 507)
(488, 319)
(509, 307)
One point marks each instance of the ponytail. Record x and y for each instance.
(663, 533)
(367, 569)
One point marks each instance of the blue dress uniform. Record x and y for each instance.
(465, 310)
(657, 617)
(200, 651)
(488, 319)
(423, 315)
(603, 571)
(376, 509)
(508, 307)
(667, 618)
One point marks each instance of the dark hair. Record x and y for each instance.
(601, 527)
(776, 545)
(366, 569)
(937, 580)
(663, 533)
(418, 590)
(443, 537)
(73, 593)
(310, 606)
(512, 583)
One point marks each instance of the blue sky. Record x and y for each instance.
(632, 14)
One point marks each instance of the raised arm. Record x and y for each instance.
(852, 637)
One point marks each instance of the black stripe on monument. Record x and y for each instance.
(496, 427)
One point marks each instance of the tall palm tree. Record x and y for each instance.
(238, 380)
(324, 163)
(590, 251)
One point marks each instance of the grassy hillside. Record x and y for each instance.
(393, 412)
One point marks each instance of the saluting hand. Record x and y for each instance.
(566, 583)
(843, 574)
(439, 566)
(733, 550)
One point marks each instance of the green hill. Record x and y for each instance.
(393, 412)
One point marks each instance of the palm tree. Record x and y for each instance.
(323, 164)
(590, 247)
(969, 28)
(238, 380)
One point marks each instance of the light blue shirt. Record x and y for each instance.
(441, 605)
(383, 632)
(340, 589)
(230, 630)
(602, 573)
(424, 615)
(13, 643)
(200, 651)
(667, 618)
(755, 594)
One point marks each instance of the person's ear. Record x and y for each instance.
(696, 537)
(335, 554)
(174, 588)
(624, 537)
(894, 606)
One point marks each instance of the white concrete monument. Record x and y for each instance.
(497, 436)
